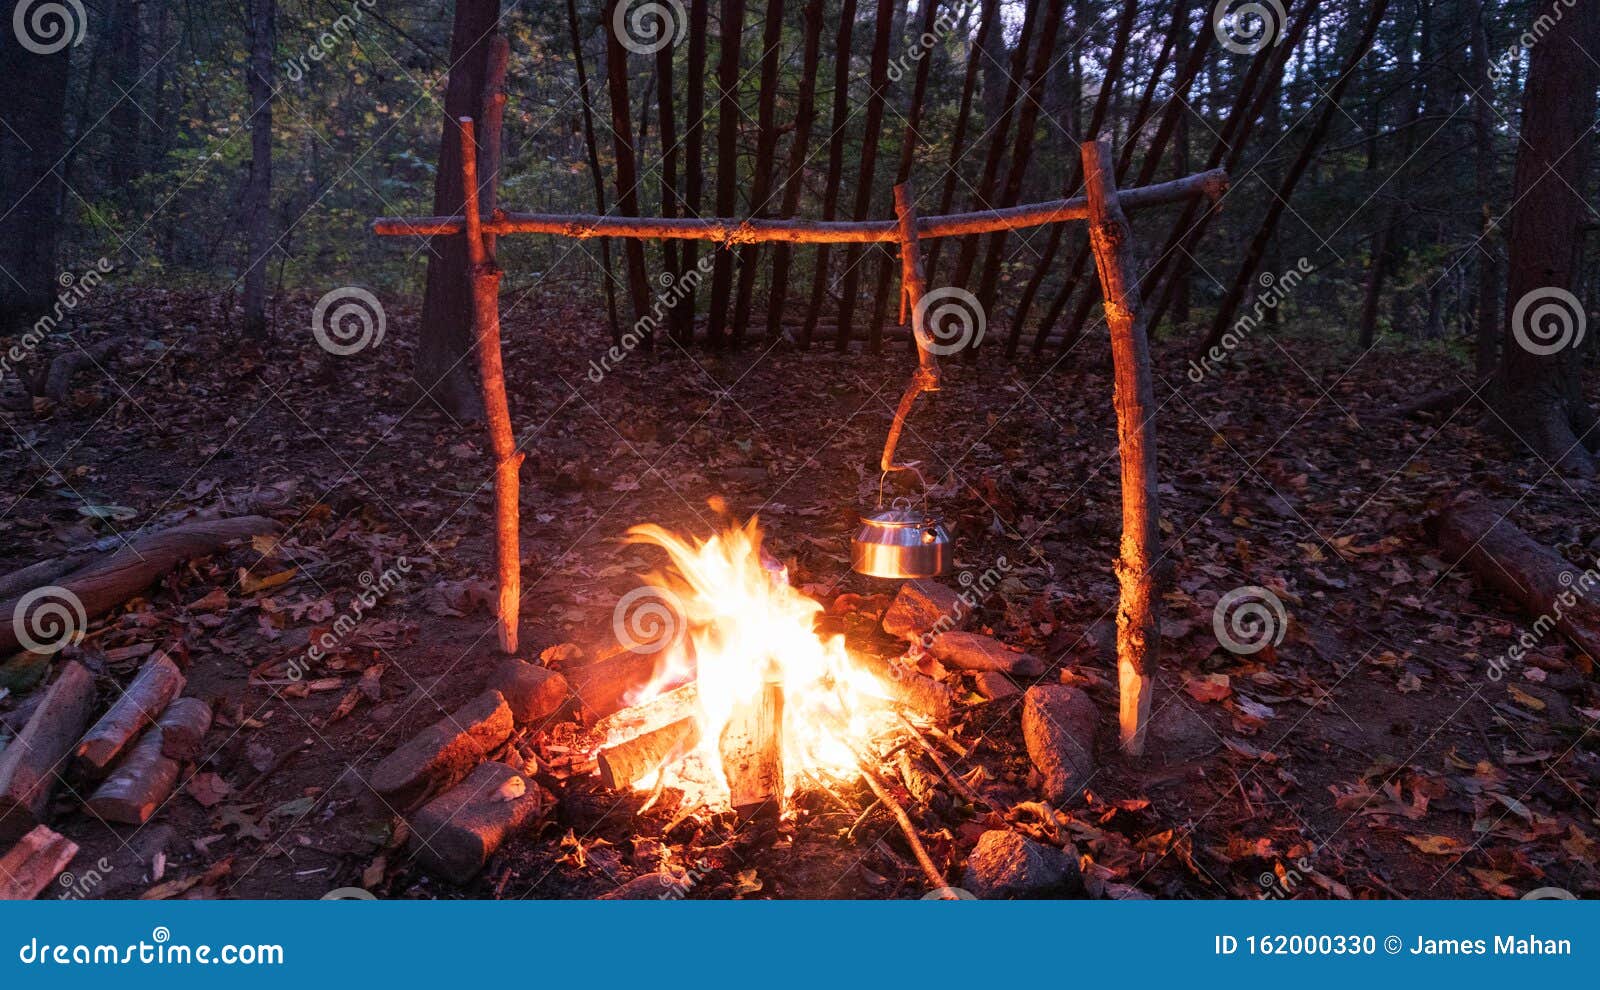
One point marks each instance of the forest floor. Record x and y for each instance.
(1366, 755)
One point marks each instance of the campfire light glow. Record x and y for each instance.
(737, 628)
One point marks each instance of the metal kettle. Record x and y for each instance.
(901, 542)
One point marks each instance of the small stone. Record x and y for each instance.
(923, 607)
(456, 833)
(1058, 725)
(1007, 866)
(533, 692)
(561, 653)
(994, 685)
(973, 651)
(445, 752)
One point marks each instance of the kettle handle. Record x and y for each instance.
(911, 466)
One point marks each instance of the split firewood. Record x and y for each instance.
(752, 752)
(456, 833)
(444, 753)
(138, 786)
(109, 580)
(183, 728)
(34, 863)
(28, 764)
(628, 762)
(1541, 581)
(158, 682)
(664, 709)
(533, 692)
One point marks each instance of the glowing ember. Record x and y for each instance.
(725, 617)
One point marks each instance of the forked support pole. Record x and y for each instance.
(484, 277)
(1139, 608)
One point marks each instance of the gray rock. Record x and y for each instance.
(1058, 725)
(921, 607)
(974, 651)
(993, 685)
(454, 835)
(1005, 865)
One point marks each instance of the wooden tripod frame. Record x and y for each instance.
(1104, 209)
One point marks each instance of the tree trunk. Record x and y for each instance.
(830, 189)
(627, 175)
(766, 151)
(1538, 392)
(794, 171)
(592, 146)
(986, 27)
(670, 204)
(867, 164)
(30, 188)
(258, 192)
(1280, 200)
(443, 364)
(694, 138)
(1487, 330)
(728, 114)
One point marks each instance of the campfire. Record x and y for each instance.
(745, 700)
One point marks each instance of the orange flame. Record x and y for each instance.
(742, 626)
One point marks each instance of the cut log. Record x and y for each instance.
(973, 651)
(29, 763)
(183, 728)
(456, 833)
(59, 379)
(106, 582)
(138, 786)
(673, 706)
(444, 753)
(158, 682)
(33, 864)
(1478, 533)
(636, 759)
(610, 684)
(533, 692)
(752, 753)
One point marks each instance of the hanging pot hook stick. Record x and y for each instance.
(913, 287)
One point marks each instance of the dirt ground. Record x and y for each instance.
(1367, 754)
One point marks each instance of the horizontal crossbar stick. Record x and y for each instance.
(1210, 184)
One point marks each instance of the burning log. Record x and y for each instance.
(752, 752)
(158, 682)
(445, 752)
(183, 728)
(627, 763)
(33, 863)
(140, 784)
(664, 709)
(28, 764)
(907, 686)
(603, 687)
